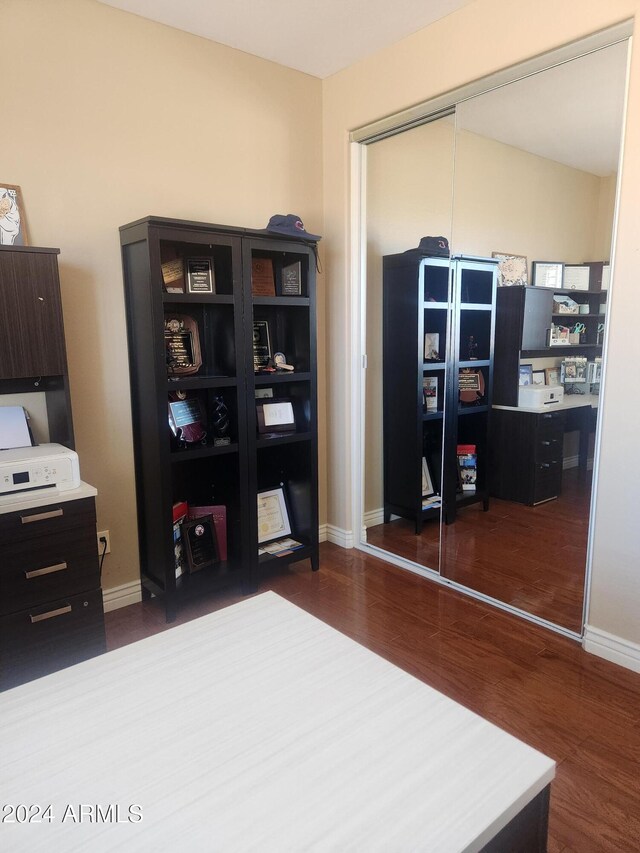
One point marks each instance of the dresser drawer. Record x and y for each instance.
(548, 449)
(550, 425)
(40, 640)
(48, 568)
(547, 480)
(51, 518)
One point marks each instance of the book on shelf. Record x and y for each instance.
(431, 502)
(180, 511)
(468, 466)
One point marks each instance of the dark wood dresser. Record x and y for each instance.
(51, 613)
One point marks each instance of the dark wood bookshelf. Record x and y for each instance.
(207, 474)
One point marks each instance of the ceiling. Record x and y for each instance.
(318, 37)
(571, 114)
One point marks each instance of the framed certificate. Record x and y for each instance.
(548, 274)
(273, 518)
(275, 416)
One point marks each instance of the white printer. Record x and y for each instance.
(540, 396)
(47, 466)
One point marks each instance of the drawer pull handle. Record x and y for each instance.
(50, 614)
(41, 516)
(47, 570)
(549, 443)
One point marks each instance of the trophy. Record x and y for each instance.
(473, 348)
(220, 422)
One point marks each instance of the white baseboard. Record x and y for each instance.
(612, 648)
(343, 538)
(373, 517)
(574, 461)
(121, 596)
(323, 533)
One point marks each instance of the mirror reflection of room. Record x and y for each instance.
(534, 196)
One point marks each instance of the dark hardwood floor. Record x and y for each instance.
(544, 689)
(532, 557)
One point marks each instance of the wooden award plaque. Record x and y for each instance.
(182, 345)
(262, 278)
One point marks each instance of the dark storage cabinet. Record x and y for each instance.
(51, 613)
(453, 299)
(212, 473)
(526, 455)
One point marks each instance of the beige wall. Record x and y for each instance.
(106, 118)
(482, 38)
(504, 200)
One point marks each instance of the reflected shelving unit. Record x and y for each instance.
(438, 326)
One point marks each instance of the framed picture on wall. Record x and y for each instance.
(13, 225)
(537, 377)
(552, 375)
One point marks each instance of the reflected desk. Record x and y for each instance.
(526, 446)
(259, 727)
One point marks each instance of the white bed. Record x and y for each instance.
(254, 728)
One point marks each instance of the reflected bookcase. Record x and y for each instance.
(438, 337)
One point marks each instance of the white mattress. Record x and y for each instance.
(254, 728)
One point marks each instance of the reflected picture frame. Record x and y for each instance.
(547, 274)
(512, 269)
(427, 480)
(525, 374)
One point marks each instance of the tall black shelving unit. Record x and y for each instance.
(455, 300)
(214, 474)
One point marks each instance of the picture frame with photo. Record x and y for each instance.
(512, 269)
(13, 223)
(525, 374)
(552, 375)
(538, 377)
(427, 480)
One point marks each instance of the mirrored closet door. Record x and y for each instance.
(482, 387)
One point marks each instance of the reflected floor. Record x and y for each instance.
(530, 557)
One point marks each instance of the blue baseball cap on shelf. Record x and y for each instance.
(290, 226)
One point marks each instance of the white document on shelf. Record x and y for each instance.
(14, 430)
(606, 276)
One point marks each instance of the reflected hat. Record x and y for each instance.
(435, 246)
(291, 226)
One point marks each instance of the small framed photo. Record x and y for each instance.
(427, 480)
(552, 375)
(200, 276)
(430, 393)
(273, 517)
(548, 274)
(525, 374)
(275, 416)
(13, 224)
(512, 270)
(538, 377)
(432, 346)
